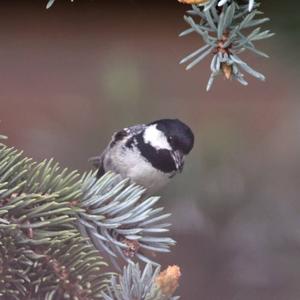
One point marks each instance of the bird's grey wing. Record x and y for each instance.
(136, 129)
(125, 132)
(98, 161)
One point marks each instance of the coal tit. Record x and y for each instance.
(148, 154)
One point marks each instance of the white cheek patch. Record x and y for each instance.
(156, 138)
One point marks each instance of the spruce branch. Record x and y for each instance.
(42, 254)
(149, 284)
(44, 210)
(62, 270)
(119, 221)
(227, 29)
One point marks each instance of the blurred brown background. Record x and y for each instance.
(72, 75)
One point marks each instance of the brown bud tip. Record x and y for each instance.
(227, 70)
(168, 280)
(193, 1)
(132, 248)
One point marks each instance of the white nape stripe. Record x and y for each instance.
(156, 138)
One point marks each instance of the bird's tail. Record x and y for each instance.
(97, 162)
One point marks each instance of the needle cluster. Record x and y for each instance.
(55, 224)
(227, 28)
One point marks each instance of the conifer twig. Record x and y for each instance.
(119, 221)
(43, 255)
(149, 284)
(226, 28)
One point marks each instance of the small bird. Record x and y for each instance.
(149, 154)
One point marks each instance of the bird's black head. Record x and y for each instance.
(179, 135)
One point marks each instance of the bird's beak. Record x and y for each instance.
(178, 158)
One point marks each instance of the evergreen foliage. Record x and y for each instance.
(43, 254)
(137, 284)
(55, 223)
(118, 222)
(227, 28)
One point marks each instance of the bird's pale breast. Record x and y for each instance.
(130, 164)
